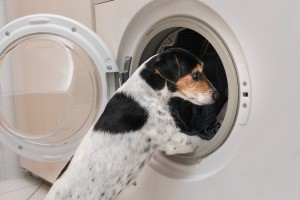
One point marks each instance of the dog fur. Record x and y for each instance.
(135, 123)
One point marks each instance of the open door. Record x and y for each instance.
(53, 85)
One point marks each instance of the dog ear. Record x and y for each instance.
(160, 70)
(150, 76)
(166, 67)
(175, 63)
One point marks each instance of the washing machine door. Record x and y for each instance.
(53, 85)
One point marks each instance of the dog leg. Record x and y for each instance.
(180, 143)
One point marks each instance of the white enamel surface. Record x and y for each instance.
(259, 160)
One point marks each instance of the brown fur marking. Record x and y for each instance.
(187, 85)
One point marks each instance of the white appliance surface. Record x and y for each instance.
(265, 162)
(259, 159)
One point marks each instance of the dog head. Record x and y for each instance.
(182, 73)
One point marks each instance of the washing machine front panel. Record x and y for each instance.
(149, 26)
(259, 158)
(53, 78)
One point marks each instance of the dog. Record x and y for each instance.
(135, 123)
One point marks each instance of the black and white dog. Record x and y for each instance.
(135, 123)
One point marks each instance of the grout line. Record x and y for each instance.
(35, 191)
(19, 188)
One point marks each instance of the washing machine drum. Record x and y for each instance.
(52, 85)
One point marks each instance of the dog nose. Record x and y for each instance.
(215, 95)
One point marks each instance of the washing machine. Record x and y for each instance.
(250, 49)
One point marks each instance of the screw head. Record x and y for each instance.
(109, 67)
(245, 105)
(73, 29)
(7, 33)
(245, 83)
(20, 147)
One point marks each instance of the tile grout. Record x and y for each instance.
(21, 188)
(35, 191)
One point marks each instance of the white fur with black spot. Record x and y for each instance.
(104, 164)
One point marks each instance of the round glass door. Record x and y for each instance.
(49, 89)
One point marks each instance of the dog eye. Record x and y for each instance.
(196, 76)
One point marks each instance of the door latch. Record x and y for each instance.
(122, 76)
